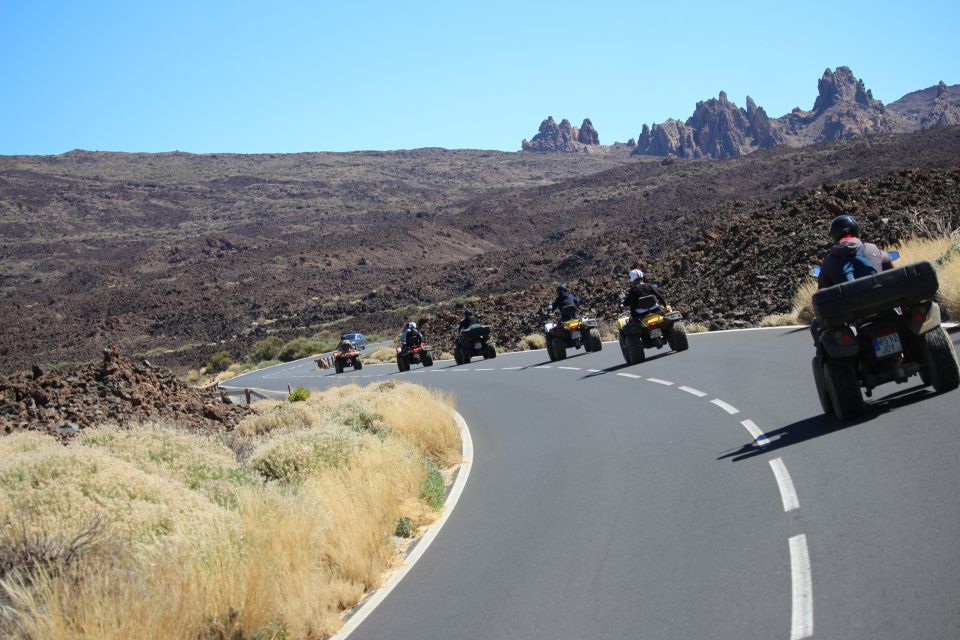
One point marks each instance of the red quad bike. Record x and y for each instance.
(878, 329)
(346, 355)
(419, 353)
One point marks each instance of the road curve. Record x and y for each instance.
(612, 501)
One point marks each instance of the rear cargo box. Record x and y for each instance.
(869, 296)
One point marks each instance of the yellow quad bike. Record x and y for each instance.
(658, 327)
(572, 334)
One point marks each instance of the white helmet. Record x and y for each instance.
(635, 275)
(411, 326)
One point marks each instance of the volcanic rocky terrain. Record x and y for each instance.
(177, 256)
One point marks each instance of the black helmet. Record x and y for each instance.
(561, 288)
(844, 225)
(467, 313)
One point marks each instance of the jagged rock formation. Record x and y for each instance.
(937, 106)
(717, 129)
(562, 138)
(844, 109)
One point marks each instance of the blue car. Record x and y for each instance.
(356, 338)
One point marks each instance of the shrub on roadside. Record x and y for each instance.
(219, 362)
(533, 341)
(266, 349)
(299, 394)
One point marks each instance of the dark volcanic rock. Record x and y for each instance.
(116, 390)
(937, 106)
(562, 138)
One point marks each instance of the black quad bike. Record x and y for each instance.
(878, 329)
(654, 330)
(417, 353)
(571, 334)
(472, 342)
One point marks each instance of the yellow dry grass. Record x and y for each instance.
(944, 249)
(279, 558)
(533, 341)
(383, 355)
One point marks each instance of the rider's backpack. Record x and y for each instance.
(859, 266)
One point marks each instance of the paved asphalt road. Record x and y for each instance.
(612, 501)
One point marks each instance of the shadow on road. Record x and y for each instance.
(821, 425)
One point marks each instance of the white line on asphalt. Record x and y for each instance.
(801, 624)
(787, 493)
(483, 369)
(594, 370)
(666, 383)
(758, 436)
(726, 407)
(693, 391)
(630, 375)
(420, 548)
(570, 368)
(543, 366)
(510, 368)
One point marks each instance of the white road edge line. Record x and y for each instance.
(693, 391)
(594, 370)
(367, 607)
(665, 383)
(726, 407)
(510, 368)
(570, 368)
(801, 623)
(543, 366)
(758, 436)
(630, 375)
(787, 492)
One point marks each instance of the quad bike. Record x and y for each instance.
(656, 328)
(878, 329)
(416, 353)
(346, 355)
(573, 334)
(473, 341)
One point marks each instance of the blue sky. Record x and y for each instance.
(253, 77)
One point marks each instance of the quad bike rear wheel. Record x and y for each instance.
(550, 352)
(427, 359)
(677, 337)
(596, 344)
(357, 365)
(490, 351)
(940, 361)
(843, 386)
(338, 365)
(458, 354)
(822, 393)
(402, 363)
(559, 349)
(635, 354)
(623, 349)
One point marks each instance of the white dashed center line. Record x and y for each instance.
(758, 436)
(726, 407)
(787, 493)
(570, 368)
(801, 623)
(666, 383)
(630, 375)
(692, 391)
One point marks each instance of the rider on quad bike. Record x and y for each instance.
(472, 339)
(565, 302)
(639, 289)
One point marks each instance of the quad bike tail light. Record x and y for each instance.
(844, 336)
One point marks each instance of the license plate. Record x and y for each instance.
(477, 345)
(575, 335)
(888, 345)
(656, 333)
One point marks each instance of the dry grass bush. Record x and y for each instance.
(695, 327)
(533, 341)
(382, 355)
(283, 560)
(779, 320)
